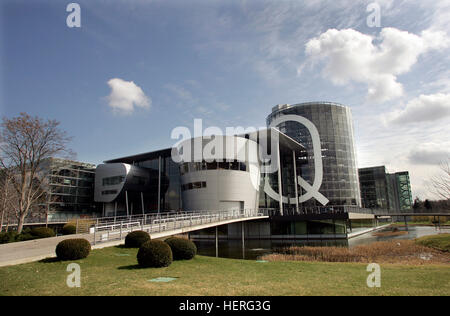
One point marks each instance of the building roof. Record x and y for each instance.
(286, 142)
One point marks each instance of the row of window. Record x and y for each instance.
(194, 185)
(107, 192)
(199, 166)
(113, 180)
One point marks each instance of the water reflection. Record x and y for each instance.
(413, 232)
(253, 249)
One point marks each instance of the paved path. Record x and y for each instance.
(35, 250)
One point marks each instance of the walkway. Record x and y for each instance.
(109, 232)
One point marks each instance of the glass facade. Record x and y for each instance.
(71, 186)
(401, 190)
(333, 121)
(309, 227)
(382, 190)
(375, 190)
(188, 167)
(170, 182)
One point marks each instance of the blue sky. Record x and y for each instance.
(229, 62)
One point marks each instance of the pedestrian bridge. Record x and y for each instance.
(165, 225)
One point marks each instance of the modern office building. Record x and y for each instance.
(375, 188)
(154, 182)
(334, 125)
(302, 168)
(70, 187)
(401, 191)
(383, 190)
(148, 182)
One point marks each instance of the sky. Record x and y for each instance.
(134, 70)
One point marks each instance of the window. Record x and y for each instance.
(107, 192)
(194, 185)
(234, 165)
(224, 165)
(113, 180)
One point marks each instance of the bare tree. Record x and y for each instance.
(26, 142)
(440, 183)
(5, 184)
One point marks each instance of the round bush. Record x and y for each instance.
(69, 229)
(73, 249)
(43, 232)
(182, 249)
(136, 239)
(154, 254)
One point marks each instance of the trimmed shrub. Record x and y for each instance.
(69, 229)
(25, 237)
(43, 232)
(73, 249)
(7, 237)
(136, 239)
(182, 249)
(154, 254)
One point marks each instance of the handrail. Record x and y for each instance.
(155, 223)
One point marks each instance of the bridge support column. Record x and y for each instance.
(406, 223)
(142, 203)
(126, 201)
(280, 188)
(243, 240)
(217, 242)
(295, 182)
(159, 184)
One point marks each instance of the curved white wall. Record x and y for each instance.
(226, 189)
(109, 170)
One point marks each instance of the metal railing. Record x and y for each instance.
(113, 228)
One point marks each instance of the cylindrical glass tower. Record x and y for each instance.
(333, 121)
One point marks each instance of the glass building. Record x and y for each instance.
(340, 184)
(401, 190)
(383, 190)
(375, 188)
(147, 183)
(70, 186)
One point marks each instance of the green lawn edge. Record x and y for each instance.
(114, 271)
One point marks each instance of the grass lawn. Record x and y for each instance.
(114, 271)
(440, 242)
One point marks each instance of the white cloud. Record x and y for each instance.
(351, 56)
(422, 109)
(125, 96)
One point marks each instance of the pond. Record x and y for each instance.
(253, 249)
